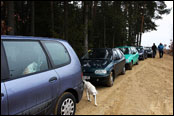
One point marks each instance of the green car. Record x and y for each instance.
(131, 55)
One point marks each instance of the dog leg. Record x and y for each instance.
(95, 100)
(89, 98)
(87, 94)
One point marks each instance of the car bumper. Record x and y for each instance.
(97, 78)
(150, 54)
(79, 90)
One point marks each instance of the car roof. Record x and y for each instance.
(124, 46)
(101, 48)
(12, 37)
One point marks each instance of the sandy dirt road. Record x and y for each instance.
(147, 89)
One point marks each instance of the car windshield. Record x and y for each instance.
(148, 48)
(139, 49)
(97, 54)
(125, 50)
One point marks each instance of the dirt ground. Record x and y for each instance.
(147, 89)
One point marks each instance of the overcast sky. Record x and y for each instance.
(164, 31)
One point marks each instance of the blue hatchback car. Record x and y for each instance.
(39, 76)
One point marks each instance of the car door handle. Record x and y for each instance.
(52, 79)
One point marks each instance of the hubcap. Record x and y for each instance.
(67, 107)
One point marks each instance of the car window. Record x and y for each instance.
(115, 54)
(119, 53)
(4, 69)
(139, 49)
(58, 53)
(133, 50)
(125, 50)
(24, 57)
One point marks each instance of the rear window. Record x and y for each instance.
(58, 53)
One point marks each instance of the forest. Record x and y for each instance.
(84, 24)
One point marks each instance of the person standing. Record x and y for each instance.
(154, 48)
(160, 49)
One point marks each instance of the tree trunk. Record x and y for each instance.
(86, 28)
(113, 39)
(104, 41)
(137, 39)
(141, 29)
(32, 18)
(11, 20)
(66, 20)
(52, 16)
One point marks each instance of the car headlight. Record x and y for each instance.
(100, 72)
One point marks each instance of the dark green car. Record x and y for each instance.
(103, 65)
(131, 54)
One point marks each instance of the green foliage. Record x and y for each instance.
(118, 21)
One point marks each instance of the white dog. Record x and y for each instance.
(90, 89)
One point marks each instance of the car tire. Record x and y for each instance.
(130, 66)
(123, 70)
(143, 57)
(137, 62)
(110, 81)
(66, 104)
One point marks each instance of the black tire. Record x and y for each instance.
(123, 70)
(130, 66)
(143, 57)
(146, 56)
(137, 62)
(110, 81)
(66, 98)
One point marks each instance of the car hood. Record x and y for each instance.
(95, 63)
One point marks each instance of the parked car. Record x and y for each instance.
(103, 65)
(39, 76)
(131, 55)
(142, 53)
(149, 51)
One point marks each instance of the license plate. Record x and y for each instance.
(86, 77)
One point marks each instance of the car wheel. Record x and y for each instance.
(123, 71)
(110, 81)
(130, 66)
(143, 57)
(66, 104)
(137, 62)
